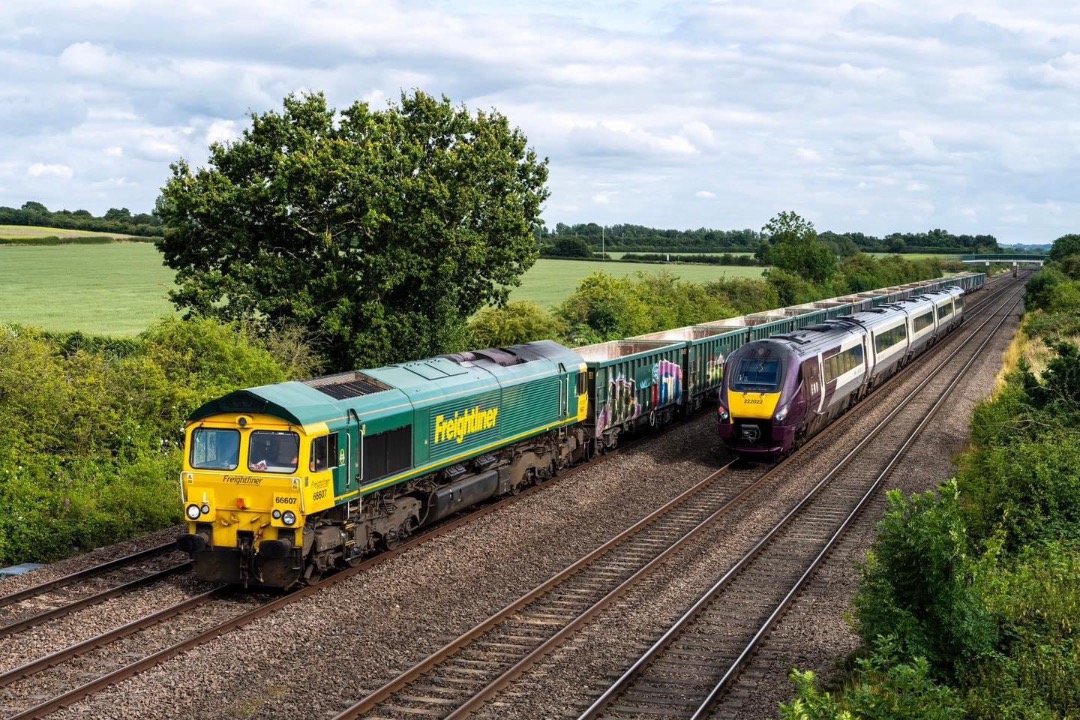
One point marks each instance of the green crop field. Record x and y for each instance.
(120, 288)
(113, 289)
(549, 282)
(32, 231)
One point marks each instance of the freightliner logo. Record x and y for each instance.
(461, 426)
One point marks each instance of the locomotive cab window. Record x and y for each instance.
(757, 375)
(581, 383)
(214, 449)
(324, 453)
(273, 451)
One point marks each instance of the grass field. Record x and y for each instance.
(32, 231)
(120, 288)
(114, 289)
(549, 282)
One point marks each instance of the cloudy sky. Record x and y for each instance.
(881, 116)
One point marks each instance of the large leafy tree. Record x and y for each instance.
(379, 232)
(792, 244)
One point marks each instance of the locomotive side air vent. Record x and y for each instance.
(347, 385)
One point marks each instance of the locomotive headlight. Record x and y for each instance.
(781, 414)
(205, 509)
(193, 512)
(722, 412)
(288, 517)
(276, 514)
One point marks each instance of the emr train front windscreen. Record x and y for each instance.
(757, 375)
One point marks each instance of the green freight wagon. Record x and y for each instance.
(630, 382)
(705, 349)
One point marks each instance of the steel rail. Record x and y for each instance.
(138, 666)
(690, 615)
(105, 567)
(34, 620)
(99, 641)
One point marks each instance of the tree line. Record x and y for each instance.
(117, 220)
(638, 238)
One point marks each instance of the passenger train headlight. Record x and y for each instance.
(781, 414)
(193, 512)
(288, 517)
(722, 412)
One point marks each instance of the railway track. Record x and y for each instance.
(110, 672)
(459, 678)
(64, 595)
(686, 671)
(21, 697)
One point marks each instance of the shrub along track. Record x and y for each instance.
(467, 672)
(233, 606)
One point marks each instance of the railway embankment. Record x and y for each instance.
(966, 604)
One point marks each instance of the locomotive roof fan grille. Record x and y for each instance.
(347, 385)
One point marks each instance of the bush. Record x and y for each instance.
(90, 428)
(517, 322)
(609, 308)
(922, 586)
(889, 688)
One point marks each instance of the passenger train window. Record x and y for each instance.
(890, 338)
(923, 321)
(844, 362)
(944, 311)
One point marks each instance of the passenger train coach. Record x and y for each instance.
(782, 390)
(284, 482)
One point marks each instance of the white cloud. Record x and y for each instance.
(637, 109)
(42, 170)
(704, 194)
(222, 131)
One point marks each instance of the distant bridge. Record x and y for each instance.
(1014, 259)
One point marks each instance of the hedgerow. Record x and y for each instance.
(91, 428)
